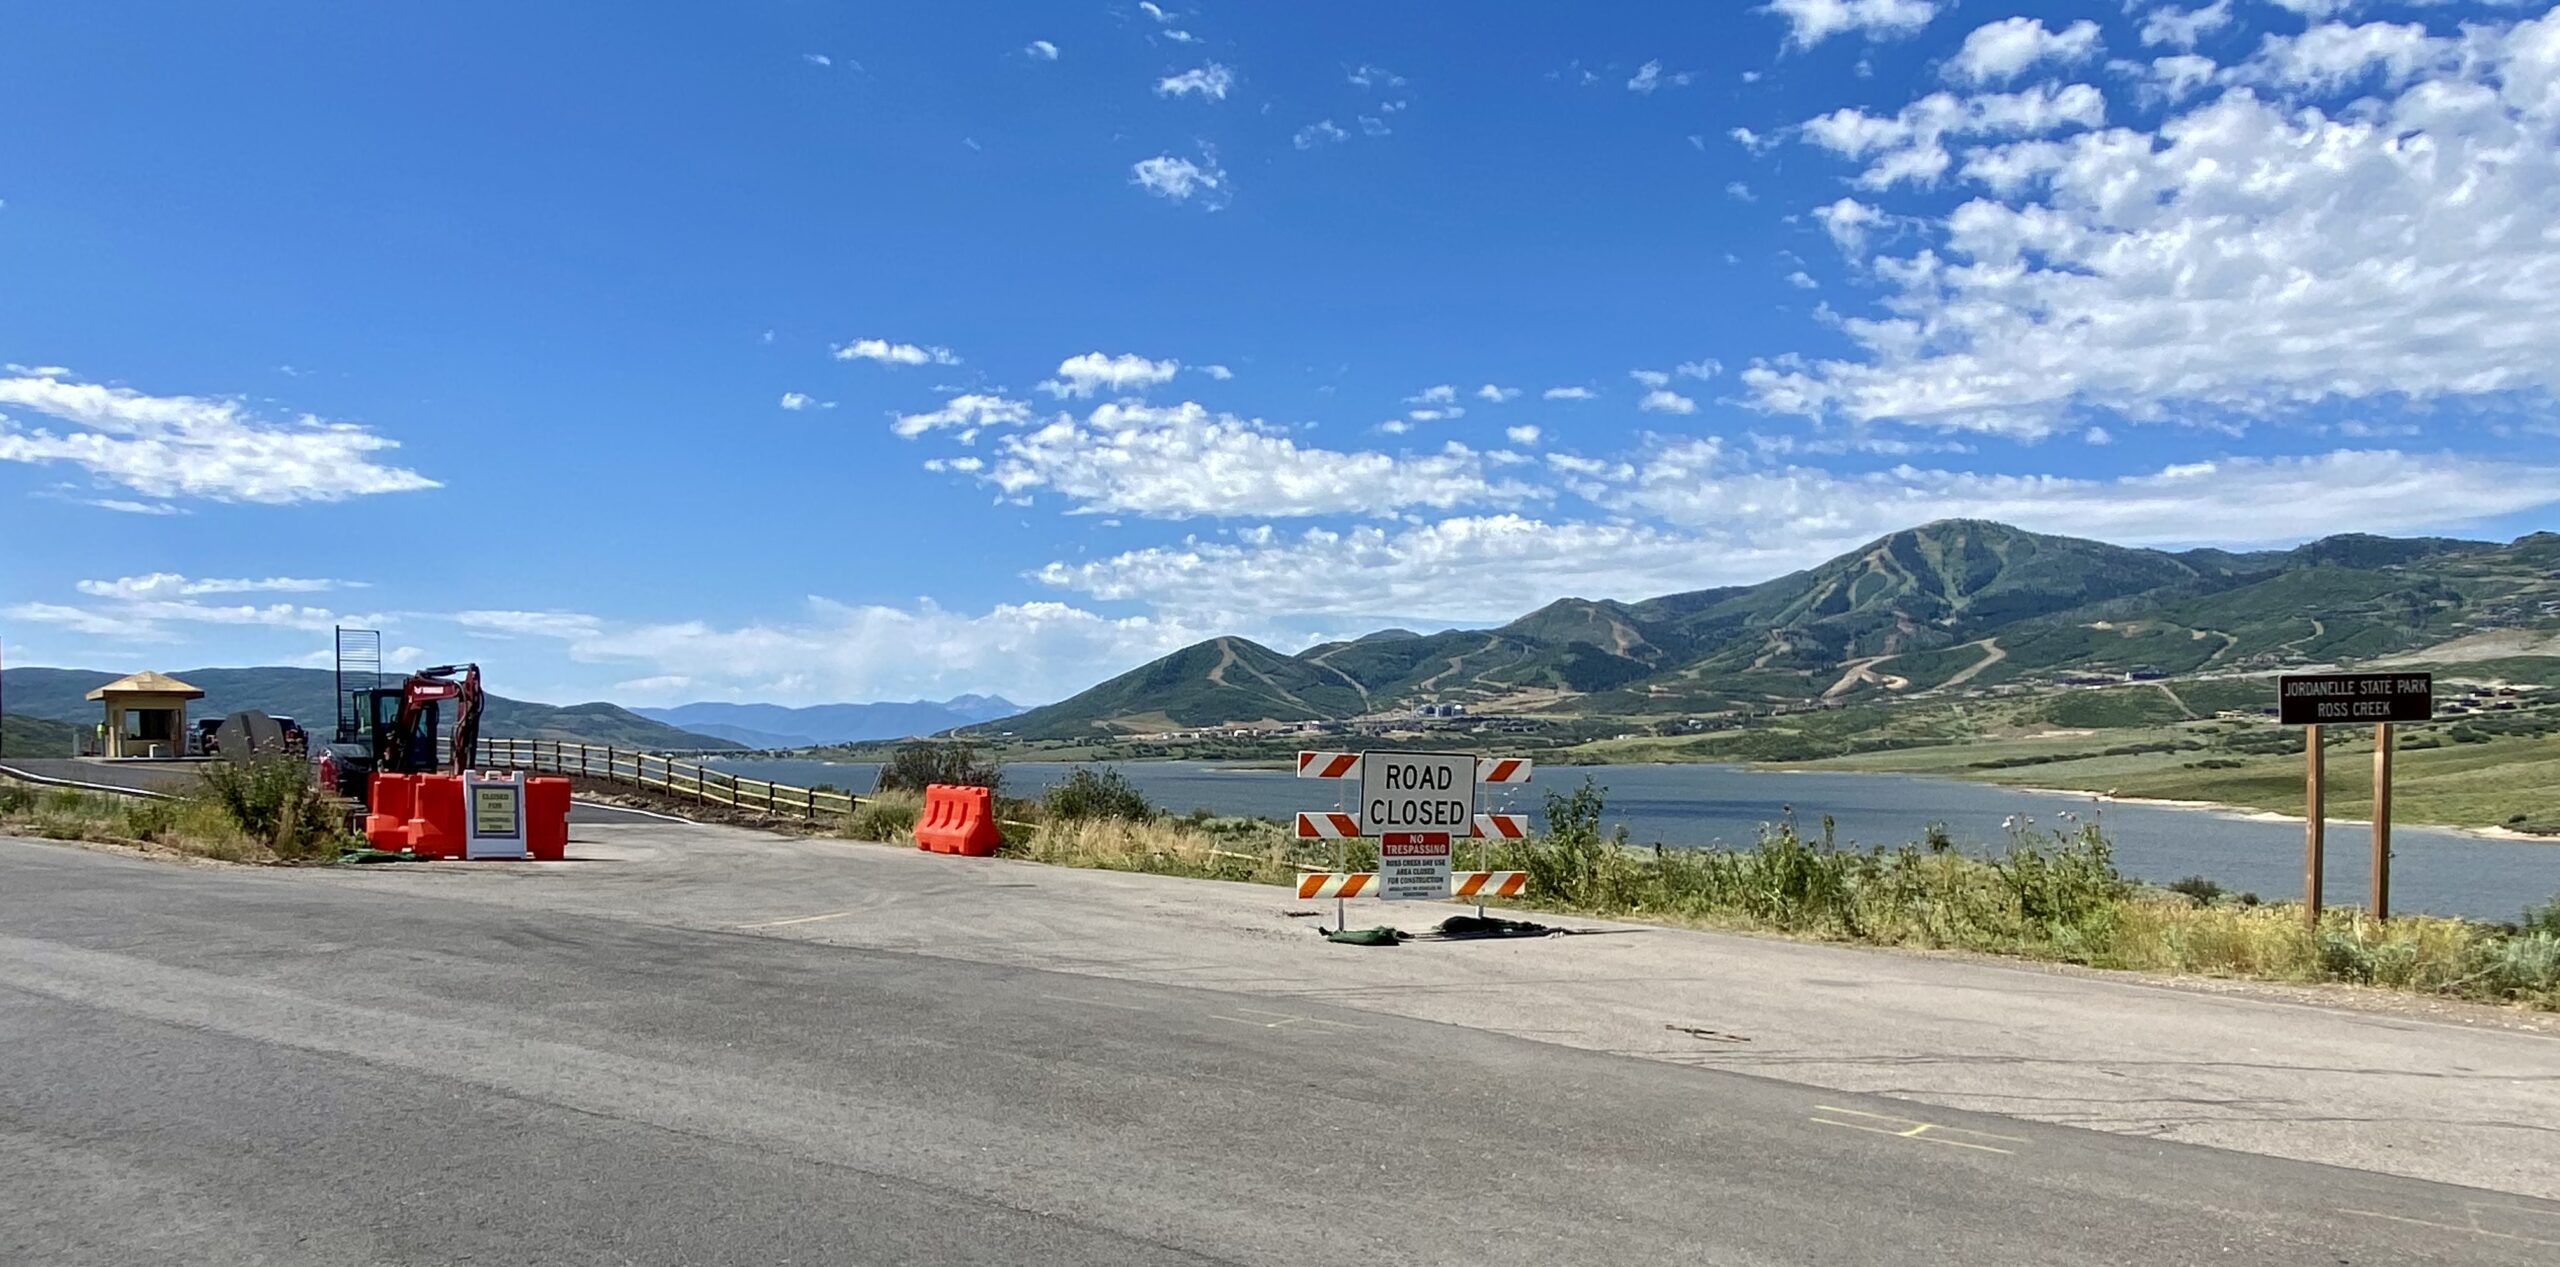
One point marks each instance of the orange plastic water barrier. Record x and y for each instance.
(959, 820)
(546, 819)
(390, 802)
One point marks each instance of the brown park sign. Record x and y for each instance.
(2330, 699)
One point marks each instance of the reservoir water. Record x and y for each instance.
(2433, 870)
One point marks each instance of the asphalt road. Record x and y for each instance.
(207, 1065)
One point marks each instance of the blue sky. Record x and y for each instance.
(805, 351)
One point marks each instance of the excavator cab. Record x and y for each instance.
(395, 729)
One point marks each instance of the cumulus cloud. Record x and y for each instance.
(965, 412)
(1180, 461)
(837, 650)
(2254, 253)
(1084, 375)
(1210, 83)
(153, 607)
(1497, 395)
(1909, 145)
(210, 448)
(2003, 50)
(887, 353)
(1663, 400)
(1810, 22)
(1320, 132)
(1041, 50)
(1522, 435)
(2181, 28)
(1180, 179)
(1569, 393)
(1650, 76)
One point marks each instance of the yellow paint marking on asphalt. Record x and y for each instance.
(805, 919)
(1914, 1128)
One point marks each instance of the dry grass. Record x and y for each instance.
(201, 825)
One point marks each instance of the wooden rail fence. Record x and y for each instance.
(684, 780)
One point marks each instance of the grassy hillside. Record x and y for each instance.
(307, 696)
(35, 737)
(1962, 607)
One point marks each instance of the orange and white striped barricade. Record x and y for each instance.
(1479, 885)
(1328, 765)
(1336, 884)
(1502, 769)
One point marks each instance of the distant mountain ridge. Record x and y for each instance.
(780, 726)
(1948, 603)
(309, 695)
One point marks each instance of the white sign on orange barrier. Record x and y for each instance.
(1413, 866)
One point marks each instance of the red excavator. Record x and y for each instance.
(392, 730)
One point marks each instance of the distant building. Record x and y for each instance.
(146, 716)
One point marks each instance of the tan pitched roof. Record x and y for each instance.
(147, 683)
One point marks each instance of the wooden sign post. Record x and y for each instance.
(2310, 699)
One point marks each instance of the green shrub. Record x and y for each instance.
(15, 799)
(270, 799)
(912, 766)
(1088, 792)
(886, 817)
(2202, 890)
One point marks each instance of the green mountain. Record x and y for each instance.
(307, 696)
(35, 737)
(1955, 604)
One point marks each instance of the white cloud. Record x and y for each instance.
(1701, 370)
(1649, 77)
(1436, 415)
(1367, 76)
(887, 353)
(1152, 10)
(1803, 280)
(1849, 222)
(125, 506)
(1179, 461)
(173, 585)
(1041, 50)
(1909, 145)
(1497, 395)
(2253, 254)
(1569, 393)
(1663, 400)
(1179, 179)
(1210, 82)
(1739, 192)
(2334, 56)
(968, 411)
(2003, 50)
(1320, 132)
(1084, 375)
(1436, 395)
(1395, 426)
(1522, 435)
(1810, 22)
(1218, 372)
(2097, 435)
(817, 59)
(1651, 378)
(1371, 125)
(1702, 485)
(835, 650)
(1753, 141)
(195, 446)
(2181, 28)
(2173, 79)
(147, 608)
(796, 401)
(1470, 568)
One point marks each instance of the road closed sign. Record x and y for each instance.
(1413, 866)
(1416, 792)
